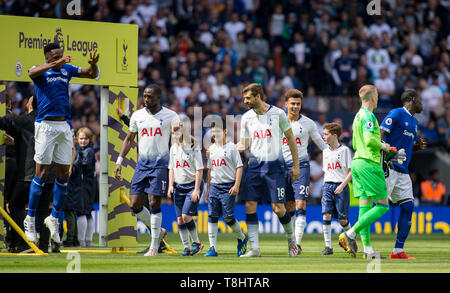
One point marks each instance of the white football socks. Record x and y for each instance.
(155, 220)
(144, 216)
(212, 234)
(253, 235)
(300, 224)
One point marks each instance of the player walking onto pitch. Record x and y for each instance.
(186, 186)
(297, 191)
(368, 176)
(262, 129)
(224, 178)
(399, 128)
(153, 127)
(337, 161)
(53, 131)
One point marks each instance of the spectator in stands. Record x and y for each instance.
(432, 97)
(443, 125)
(432, 189)
(430, 132)
(240, 47)
(377, 57)
(386, 89)
(234, 26)
(259, 46)
(276, 23)
(343, 72)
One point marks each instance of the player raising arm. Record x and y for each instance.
(53, 131)
(262, 129)
(368, 176)
(297, 191)
(399, 129)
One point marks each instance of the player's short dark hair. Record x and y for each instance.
(255, 89)
(155, 88)
(333, 128)
(50, 47)
(408, 96)
(293, 93)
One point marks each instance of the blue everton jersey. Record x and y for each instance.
(402, 129)
(52, 92)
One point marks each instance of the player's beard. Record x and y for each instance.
(152, 107)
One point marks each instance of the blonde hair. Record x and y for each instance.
(186, 139)
(367, 91)
(86, 132)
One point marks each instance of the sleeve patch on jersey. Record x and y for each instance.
(369, 124)
(389, 121)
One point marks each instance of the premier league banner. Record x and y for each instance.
(27, 36)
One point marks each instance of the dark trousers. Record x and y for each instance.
(72, 230)
(17, 204)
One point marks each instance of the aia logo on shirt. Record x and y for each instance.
(150, 132)
(182, 164)
(297, 141)
(261, 134)
(334, 166)
(218, 163)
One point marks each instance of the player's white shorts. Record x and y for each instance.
(399, 186)
(53, 142)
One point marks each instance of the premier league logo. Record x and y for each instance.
(59, 39)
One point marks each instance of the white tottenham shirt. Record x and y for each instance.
(303, 129)
(153, 132)
(266, 136)
(223, 162)
(184, 161)
(336, 163)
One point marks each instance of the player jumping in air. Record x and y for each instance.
(368, 176)
(399, 128)
(337, 160)
(262, 129)
(297, 191)
(53, 131)
(153, 126)
(224, 178)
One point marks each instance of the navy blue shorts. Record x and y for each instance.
(269, 187)
(335, 204)
(299, 189)
(152, 182)
(182, 199)
(220, 203)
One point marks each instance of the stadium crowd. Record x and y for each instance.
(202, 52)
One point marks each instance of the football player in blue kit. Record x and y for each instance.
(399, 129)
(53, 131)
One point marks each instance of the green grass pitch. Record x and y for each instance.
(432, 253)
